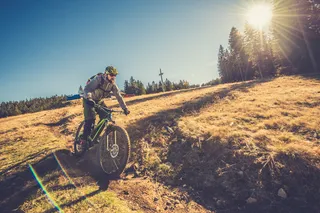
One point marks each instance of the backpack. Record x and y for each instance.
(100, 84)
(99, 74)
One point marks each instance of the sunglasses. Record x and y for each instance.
(112, 75)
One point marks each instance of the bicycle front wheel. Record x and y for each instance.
(114, 150)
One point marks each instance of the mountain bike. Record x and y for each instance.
(113, 141)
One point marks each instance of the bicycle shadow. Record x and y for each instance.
(87, 165)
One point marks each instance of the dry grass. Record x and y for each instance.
(217, 131)
(28, 138)
(281, 116)
(70, 199)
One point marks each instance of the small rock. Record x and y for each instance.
(277, 182)
(135, 208)
(129, 176)
(169, 181)
(170, 130)
(89, 210)
(240, 173)
(168, 164)
(231, 124)
(168, 203)
(251, 200)
(155, 199)
(220, 202)
(11, 177)
(282, 193)
(136, 166)
(179, 206)
(125, 192)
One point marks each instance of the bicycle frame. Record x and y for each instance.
(97, 130)
(103, 123)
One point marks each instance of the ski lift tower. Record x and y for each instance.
(163, 88)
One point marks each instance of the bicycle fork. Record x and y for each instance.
(112, 148)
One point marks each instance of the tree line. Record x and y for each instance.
(12, 108)
(291, 46)
(136, 87)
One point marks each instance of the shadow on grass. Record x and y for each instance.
(315, 76)
(221, 178)
(17, 187)
(61, 122)
(30, 157)
(168, 117)
(167, 94)
(20, 186)
(82, 198)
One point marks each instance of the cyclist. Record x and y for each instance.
(97, 88)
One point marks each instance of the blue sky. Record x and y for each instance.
(53, 47)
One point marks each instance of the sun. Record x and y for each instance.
(260, 15)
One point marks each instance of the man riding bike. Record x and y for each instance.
(97, 88)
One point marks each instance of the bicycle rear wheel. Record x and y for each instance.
(114, 150)
(78, 149)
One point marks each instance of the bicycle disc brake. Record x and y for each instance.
(114, 151)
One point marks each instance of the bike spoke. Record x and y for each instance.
(114, 151)
(115, 164)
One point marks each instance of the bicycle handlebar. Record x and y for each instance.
(97, 106)
(100, 107)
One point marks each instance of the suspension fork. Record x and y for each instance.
(109, 129)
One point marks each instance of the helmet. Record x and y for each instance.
(111, 70)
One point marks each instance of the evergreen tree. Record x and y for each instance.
(154, 87)
(149, 89)
(160, 87)
(168, 85)
(221, 68)
(126, 87)
(140, 88)
(296, 33)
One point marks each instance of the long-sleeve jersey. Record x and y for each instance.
(100, 87)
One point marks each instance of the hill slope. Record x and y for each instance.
(228, 148)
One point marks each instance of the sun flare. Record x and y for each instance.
(260, 15)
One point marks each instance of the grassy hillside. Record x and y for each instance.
(229, 148)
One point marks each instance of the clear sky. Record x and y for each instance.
(53, 47)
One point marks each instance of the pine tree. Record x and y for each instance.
(126, 87)
(296, 33)
(168, 85)
(221, 68)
